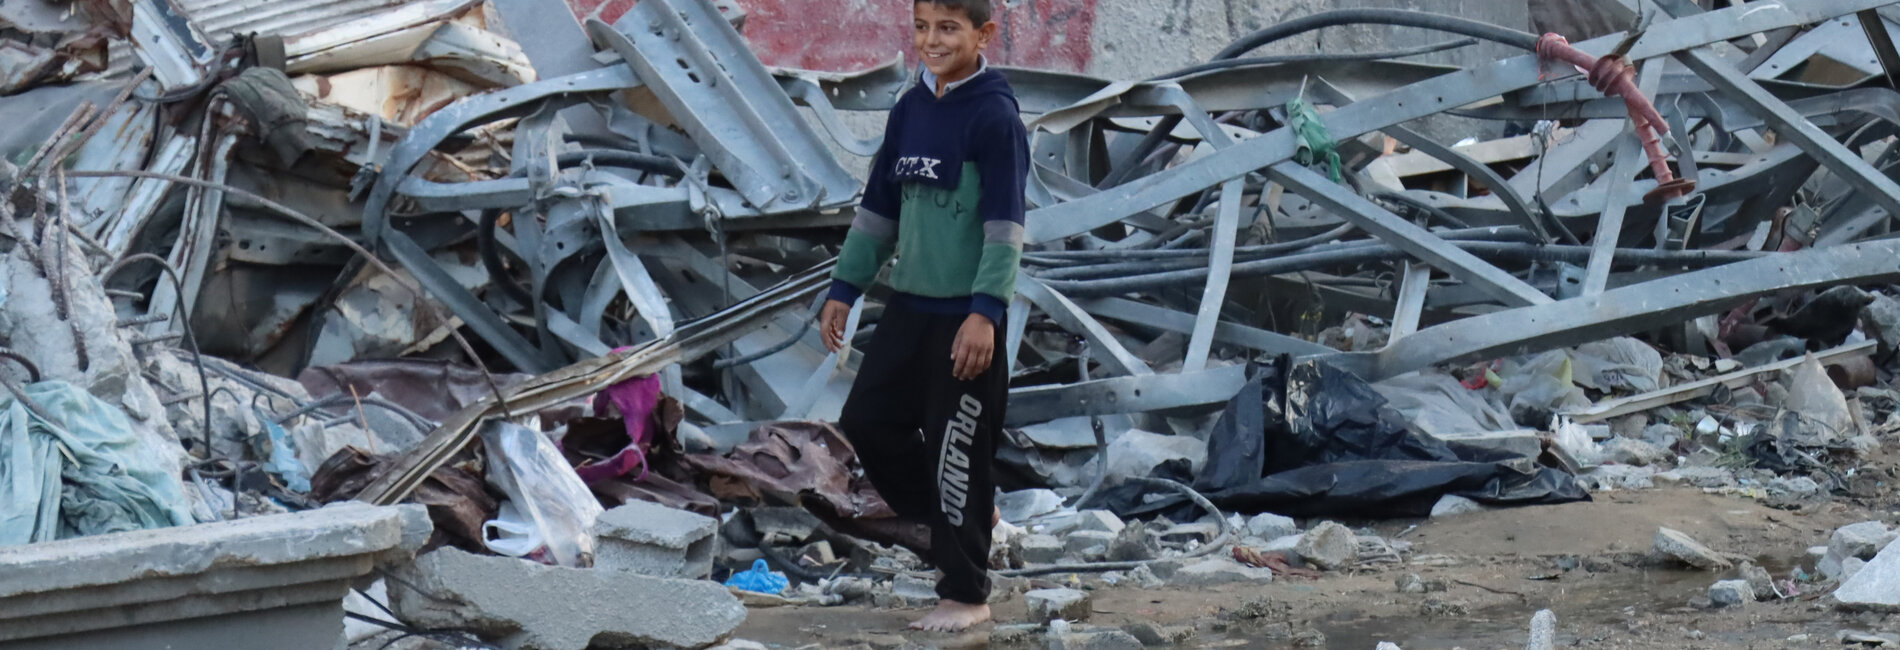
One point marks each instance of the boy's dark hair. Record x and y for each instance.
(977, 10)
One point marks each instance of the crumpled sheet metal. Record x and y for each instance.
(458, 502)
(786, 461)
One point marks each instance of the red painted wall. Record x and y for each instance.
(844, 35)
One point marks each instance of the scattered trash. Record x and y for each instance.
(760, 579)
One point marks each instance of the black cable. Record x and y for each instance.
(178, 307)
(1397, 17)
(1420, 204)
(1224, 64)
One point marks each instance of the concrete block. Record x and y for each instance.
(1098, 521)
(1023, 505)
(1050, 604)
(287, 572)
(651, 539)
(1042, 549)
(543, 607)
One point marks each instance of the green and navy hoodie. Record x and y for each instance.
(945, 195)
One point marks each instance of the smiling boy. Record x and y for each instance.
(945, 197)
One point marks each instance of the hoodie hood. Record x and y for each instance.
(934, 138)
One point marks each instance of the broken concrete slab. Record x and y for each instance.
(1219, 571)
(541, 607)
(1329, 546)
(287, 572)
(1876, 586)
(1042, 549)
(1050, 604)
(1093, 639)
(1862, 540)
(1676, 545)
(1155, 635)
(652, 539)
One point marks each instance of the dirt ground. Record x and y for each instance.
(1505, 565)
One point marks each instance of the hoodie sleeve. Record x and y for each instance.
(873, 234)
(1002, 165)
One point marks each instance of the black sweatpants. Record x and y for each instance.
(926, 439)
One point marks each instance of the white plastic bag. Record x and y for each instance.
(544, 489)
(510, 533)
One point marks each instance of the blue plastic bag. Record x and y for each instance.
(759, 579)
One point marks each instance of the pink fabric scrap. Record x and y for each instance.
(635, 399)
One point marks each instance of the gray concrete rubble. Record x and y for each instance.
(1218, 571)
(1092, 638)
(1329, 546)
(1760, 582)
(1677, 546)
(1050, 604)
(1267, 525)
(541, 607)
(1731, 593)
(310, 249)
(1452, 505)
(210, 585)
(1543, 631)
(651, 539)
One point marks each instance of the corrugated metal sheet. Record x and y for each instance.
(223, 18)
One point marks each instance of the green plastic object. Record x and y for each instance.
(1315, 145)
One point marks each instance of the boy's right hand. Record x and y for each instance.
(831, 321)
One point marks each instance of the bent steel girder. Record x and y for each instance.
(1628, 309)
(1409, 103)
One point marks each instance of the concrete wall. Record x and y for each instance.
(1109, 38)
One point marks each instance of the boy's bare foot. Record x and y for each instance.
(952, 616)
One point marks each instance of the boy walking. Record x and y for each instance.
(945, 195)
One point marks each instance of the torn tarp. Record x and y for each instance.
(1322, 442)
(77, 466)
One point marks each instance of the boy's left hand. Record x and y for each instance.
(974, 348)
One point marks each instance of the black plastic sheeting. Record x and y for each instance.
(1308, 439)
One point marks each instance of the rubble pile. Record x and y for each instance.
(554, 281)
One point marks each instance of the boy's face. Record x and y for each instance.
(946, 40)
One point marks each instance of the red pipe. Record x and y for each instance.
(1612, 76)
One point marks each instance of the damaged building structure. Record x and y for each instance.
(273, 274)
